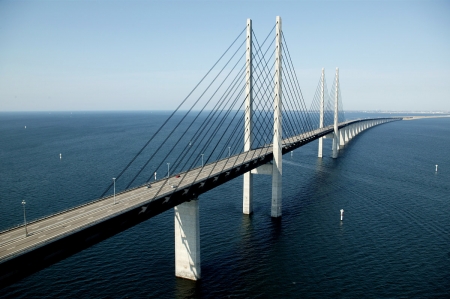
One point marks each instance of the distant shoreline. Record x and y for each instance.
(170, 111)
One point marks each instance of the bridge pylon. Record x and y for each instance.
(274, 168)
(248, 122)
(336, 113)
(322, 108)
(277, 165)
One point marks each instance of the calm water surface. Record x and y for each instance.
(393, 243)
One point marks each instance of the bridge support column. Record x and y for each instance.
(247, 205)
(277, 130)
(336, 133)
(322, 95)
(341, 138)
(346, 134)
(187, 240)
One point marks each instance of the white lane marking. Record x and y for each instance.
(41, 236)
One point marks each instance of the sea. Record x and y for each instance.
(393, 241)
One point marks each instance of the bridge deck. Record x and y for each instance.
(49, 229)
(58, 236)
(14, 242)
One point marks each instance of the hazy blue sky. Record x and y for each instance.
(145, 55)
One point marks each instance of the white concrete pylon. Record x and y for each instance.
(322, 106)
(336, 133)
(247, 205)
(277, 129)
(187, 240)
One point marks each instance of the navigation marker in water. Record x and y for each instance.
(342, 214)
(436, 167)
(60, 156)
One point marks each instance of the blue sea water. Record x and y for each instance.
(393, 243)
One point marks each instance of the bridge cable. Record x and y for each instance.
(206, 124)
(305, 118)
(217, 127)
(256, 128)
(298, 89)
(193, 162)
(192, 122)
(146, 144)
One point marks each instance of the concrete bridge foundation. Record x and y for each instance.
(187, 240)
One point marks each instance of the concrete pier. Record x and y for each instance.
(187, 240)
(341, 137)
(346, 134)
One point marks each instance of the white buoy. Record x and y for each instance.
(60, 156)
(342, 214)
(25, 127)
(292, 153)
(155, 175)
(436, 167)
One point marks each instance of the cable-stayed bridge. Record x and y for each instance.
(244, 114)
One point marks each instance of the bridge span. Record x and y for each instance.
(25, 250)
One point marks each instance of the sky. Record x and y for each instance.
(147, 55)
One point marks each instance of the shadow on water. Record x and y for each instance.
(185, 288)
(318, 180)
(275, 228)
(246, 229)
